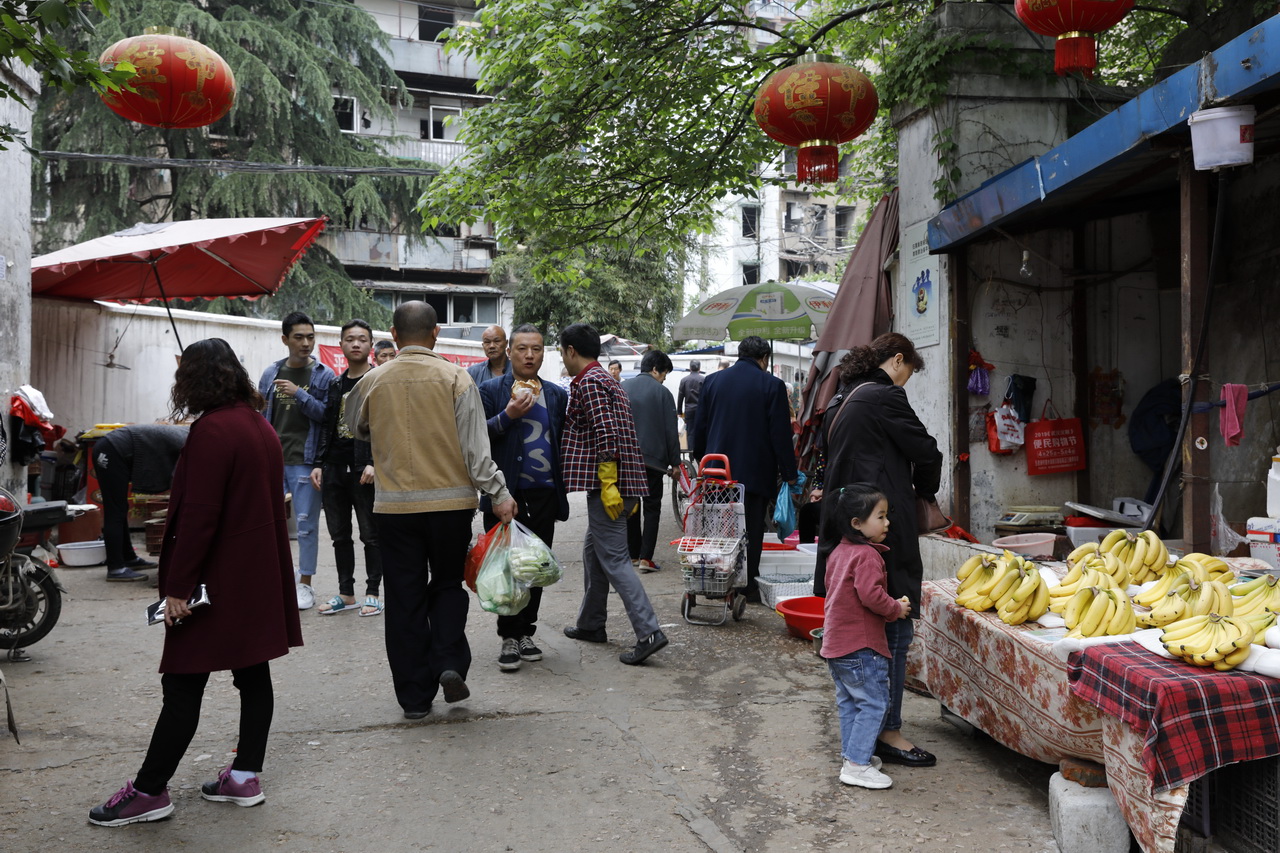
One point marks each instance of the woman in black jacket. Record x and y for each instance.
(875, 437)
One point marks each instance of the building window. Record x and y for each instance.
(845, 218)
(751, 221)
(433, 21)
(439, 129)
(451, 309)
(750, 274)
(344, 110)
(793, 269)
(791, 222)
(486, 310)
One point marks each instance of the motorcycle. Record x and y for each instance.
(30, 592)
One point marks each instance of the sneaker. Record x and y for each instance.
(657, 640)
(129, 805)
(306, 596)
(225, 789)
(529, 651)
(863, 776)
(509, 659)
(455, 689)
(140, 563)
(586, 635)
(125, 574)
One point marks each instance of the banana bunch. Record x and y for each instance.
(1216, 567)
(1096, 612)
(1210, 639)
(990, 583)
(1167, 610)
(1209, 597)
(1256, 595)
(1029, 600)
(1142, 555)
(1077, 578)
(1260, 622)
(984, 561)
(1177, 576)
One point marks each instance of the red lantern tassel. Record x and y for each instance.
(1074, 52)
(817, 162)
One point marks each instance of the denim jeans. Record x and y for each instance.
(306, 510)
(862, 697)
(899, 633)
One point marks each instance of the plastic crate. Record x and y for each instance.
(1246, 814)
(775, 588)
(1197, 813)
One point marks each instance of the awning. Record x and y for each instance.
(1127, 153)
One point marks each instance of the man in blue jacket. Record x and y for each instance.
(296, 389)
(743, 413)
(525, 416)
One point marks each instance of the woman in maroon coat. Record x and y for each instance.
(226, 529)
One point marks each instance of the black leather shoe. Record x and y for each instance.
(140, 563)
(455, 689)
(644, 648)
(573, 632)
(914, 757)
(417, 715)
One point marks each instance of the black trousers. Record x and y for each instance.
(754, 507)
(642, 540)
(180, 717)
(426, 619)
(342, 493)
(114, 472)
(538, 513)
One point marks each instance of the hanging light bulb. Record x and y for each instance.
(1025, 270)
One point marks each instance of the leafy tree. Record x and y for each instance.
(289, 57)
(27, 34)
(618, 119)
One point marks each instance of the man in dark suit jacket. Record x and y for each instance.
(524, 437)
(743, 413)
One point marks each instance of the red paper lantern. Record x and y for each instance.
(815, 106)
(180, 82)
(1076, 23)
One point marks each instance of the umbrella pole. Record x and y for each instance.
(156, 272)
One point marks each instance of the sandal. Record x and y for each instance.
(371, 607)
(335, 605)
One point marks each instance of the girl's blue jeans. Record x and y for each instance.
(862, 697)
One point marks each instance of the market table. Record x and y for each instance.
(1006, 681)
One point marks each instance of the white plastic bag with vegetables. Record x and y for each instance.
(498, 589)
(531, 561)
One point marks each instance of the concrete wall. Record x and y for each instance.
(15, 252)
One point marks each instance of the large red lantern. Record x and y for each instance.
(179, 83)
(815, 106)
(1076, 23)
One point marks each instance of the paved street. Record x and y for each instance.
(727, 740)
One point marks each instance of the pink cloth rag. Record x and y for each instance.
(1231, 422)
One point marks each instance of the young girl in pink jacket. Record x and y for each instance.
(853, 642)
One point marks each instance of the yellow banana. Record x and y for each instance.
(1085, 550)
(967, 567)
(1178, 631)
(1123, 620)
(1110, 540)
(1030, 582)
(1004, 585)
(1040, 603)
(1138, 557)
(1075, 607)
(1097, 610)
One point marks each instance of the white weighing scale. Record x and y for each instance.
(1032, 516)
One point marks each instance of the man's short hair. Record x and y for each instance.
(754, 347)
(525, 329)
(655, 359)
(414, 320)
(695, 365)
(381, 345)
(353, 324)
(297, 318)
(615, 361)
(583, 337)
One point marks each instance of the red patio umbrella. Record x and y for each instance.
(193, 259)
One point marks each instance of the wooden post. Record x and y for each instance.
(1195, 225)
(961, 339)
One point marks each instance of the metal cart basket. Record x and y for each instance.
(713, 548)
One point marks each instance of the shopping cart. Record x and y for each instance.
(713, 549)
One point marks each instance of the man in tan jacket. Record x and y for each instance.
(424, 421)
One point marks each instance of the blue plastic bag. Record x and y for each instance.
(784, 508)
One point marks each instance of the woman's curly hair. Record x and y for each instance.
(210, 375)
(860, 361)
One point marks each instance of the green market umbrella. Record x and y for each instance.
(773, 310)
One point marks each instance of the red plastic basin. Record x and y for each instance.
(802, 614)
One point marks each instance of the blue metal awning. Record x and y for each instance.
(1123, 151)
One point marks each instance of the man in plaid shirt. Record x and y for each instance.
(600, 455)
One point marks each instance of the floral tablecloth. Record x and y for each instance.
(1007, 682)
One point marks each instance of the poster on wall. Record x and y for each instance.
(918, 294)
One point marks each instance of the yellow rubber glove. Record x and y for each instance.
(609, 494)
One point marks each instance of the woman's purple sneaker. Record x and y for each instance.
(129, 805)
(224, 789)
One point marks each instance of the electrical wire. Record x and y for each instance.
(237, 165)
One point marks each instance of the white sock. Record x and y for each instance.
(242, 776)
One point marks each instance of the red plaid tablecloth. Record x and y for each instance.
(1192, 720)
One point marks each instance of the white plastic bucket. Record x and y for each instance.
(1222, 136)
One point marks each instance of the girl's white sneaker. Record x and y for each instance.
(864, 776)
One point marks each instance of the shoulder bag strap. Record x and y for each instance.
(847, 397)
